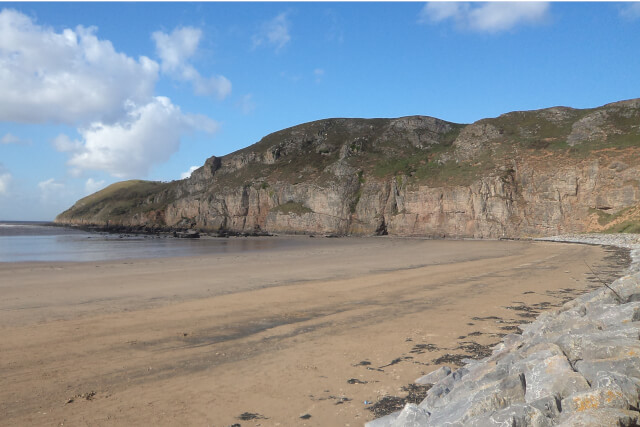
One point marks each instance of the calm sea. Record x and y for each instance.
(41, 241)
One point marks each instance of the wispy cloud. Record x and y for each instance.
(491, 17)
(175, 49)
(335, 27)
(439, 11)
(294, 78)
(246, 104)
(9, 138)
(65, 144)
(274, 32)
(50, 189)
(630, 10)
(318, 74)
(5, 180)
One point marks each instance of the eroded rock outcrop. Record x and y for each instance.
(531, 173)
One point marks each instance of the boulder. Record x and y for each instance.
(498, 395)
(601, 417)
(434, 376)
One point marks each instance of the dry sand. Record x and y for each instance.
(278, 334)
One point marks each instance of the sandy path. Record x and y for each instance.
(200, 341)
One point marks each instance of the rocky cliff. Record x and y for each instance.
(531, 173)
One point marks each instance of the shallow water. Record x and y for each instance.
(38, 241)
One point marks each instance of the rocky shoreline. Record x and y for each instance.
(160, 231)
(578, 365)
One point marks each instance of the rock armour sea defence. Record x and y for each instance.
(576, 366)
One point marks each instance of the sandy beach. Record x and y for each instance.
(311, 330)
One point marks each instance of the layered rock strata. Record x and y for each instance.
(575, 366)
(532, 173)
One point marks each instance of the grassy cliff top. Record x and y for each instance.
(121, 198)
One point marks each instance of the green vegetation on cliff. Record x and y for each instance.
(292, 208)
(356, 174)
(118, 200)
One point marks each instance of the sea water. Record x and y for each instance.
(42, 241)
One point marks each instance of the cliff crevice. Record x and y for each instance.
(531, 173)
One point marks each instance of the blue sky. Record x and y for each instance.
(94, 93)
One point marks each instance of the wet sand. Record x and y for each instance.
(263, 338)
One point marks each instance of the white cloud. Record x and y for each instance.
(494, 17)
(66, 77)
(9, 138)
(50, 185)
(64, 144)
(489, 17)
(187, 174)
(50, 190)
(630, 10)
(246, 104)
(149, 135)
(175, 49)
(439, 11)
(218, 86)
(72, 77)
(91, 186)
(5, 180)
(274, 32)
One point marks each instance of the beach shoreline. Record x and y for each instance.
(314, 329)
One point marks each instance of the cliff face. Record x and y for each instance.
(532, 173)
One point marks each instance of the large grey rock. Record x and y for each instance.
(509, 343)
(553, 377)
(615, 314)
(411, 416)
(517, 415)
(600, 345)
(629, 366)
(434, 376)
(492, 397)
(627, 286)
(547, 372)
(549, 406)
(598, 398)
(547, 330)
(443, 388)
(533, 352)
(386, 421)
(600, 418)
(630, 387)
(477, 378)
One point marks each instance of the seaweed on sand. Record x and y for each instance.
(388, 404)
